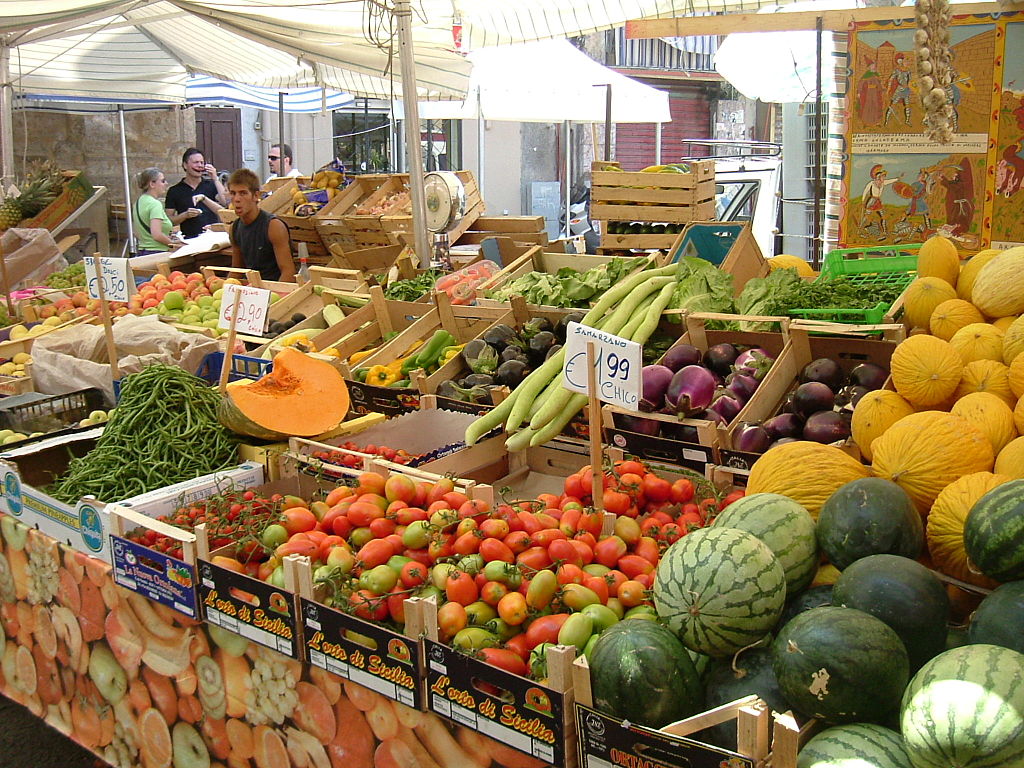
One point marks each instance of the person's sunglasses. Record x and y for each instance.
(273, 157)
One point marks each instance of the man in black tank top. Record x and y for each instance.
(259, 240)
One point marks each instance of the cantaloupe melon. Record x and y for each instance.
(938, 257)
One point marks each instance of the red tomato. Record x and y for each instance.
(495, 549)
(544, 629)
(467, 544)
(661, 516)
(505, 659)
(631, 483)
(339, 493)
(562, 551)
(329, 543)
(368, 605)
(632, 565)
(299, 546)
(298, 520)
(512, 608)
(657, 489)
(671, 533)
(413, 574)
(591, 523)
(518, 541)
(382, 527)
(375, 552)
(647, 579)
(475, 508)
(609, 550)
(569, 522)
(342, 526)
(736, 495)
(617, 503)
(494, 528)
(396, 604)
(584, 552)
(421, 556)
(370, 482)
(517, 645)
(629, 466)
(615, 579)
(440, 547)
(534, 559)
(546, 519)
(465, 526)
(647, 548)
(327, 523)
(460, 588)
(492, 592)
(574, 487)
(599, 586)
(408, 515)
(361, 513)
(545, 537)
(587, 538)
(631, 593)
(690, 517)
(395, 540)
(455, 499)
(682, 491)
(569, 574)
(451, 618)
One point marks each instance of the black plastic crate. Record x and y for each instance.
(52, 414)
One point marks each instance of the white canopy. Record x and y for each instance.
(549, 81)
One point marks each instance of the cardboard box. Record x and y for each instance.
(77, 190)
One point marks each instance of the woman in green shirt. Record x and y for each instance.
(150, 215)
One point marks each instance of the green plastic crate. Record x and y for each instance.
(885, 265)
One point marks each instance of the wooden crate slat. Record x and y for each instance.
(704, 190)
(654, 213)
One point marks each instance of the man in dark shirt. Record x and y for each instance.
(259, 240)
(194, 201)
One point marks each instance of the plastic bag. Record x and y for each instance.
(461, 286)
(30, 255)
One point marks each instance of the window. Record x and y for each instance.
(734, 200)
(362, 140)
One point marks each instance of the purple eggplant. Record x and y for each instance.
(751, 437)
(726, 405)
(811, 397)
(784, 425)
(869, 376)
(782, 441)
(639, 425)
(826, 427)
(720, 358)
(680, 356)
(654, 383)
(691, 390)
(850, 395)
(825, 371)
(754, 363)
(741, 386)
(712, 416)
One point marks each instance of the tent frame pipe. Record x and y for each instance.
(6, 115)
(657, 143)
(127, 183)
(414, 147)
(818, 129)
(280, 134)
(480, 128)
(568, 177)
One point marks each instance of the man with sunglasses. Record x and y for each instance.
(281, 153)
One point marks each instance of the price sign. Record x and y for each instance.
(252, 308)
(618, 363)
(118, 280)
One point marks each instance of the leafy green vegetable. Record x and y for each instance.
(567, 287)
(414, 287)
(701, 287)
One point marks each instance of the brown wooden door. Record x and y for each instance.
(219, 136)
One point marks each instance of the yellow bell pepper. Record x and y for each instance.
(382, 375)
(355, 357)
(449, 353)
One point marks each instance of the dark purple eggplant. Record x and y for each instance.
(726, 405)
(654, 383)
(782, 441)
(825, 371)
(681, 356)
(751, 437)
(754, 362)
(683, 432)
(811, 397)
(826, 427)
(741, 386)
(784, 425)
(639, 425)
(713, 416)
(720, 358)
(850, 395)
(869, 376)
(691, 390)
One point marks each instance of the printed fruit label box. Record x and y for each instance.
(140, 684)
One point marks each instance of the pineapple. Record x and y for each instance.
(10, 213)
(40, 187)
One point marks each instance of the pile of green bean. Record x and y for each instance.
(164, 431)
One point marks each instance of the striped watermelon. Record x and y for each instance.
(994, 532)
(857, 745)
(785, 527)
(965, 708)
(840, 665)
(719, 589)
(999, 619)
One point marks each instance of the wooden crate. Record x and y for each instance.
(366, 230)
(372, 260)
(329, 221)
(654, 197)
(402, 221)
(520, 229)
(77, 190)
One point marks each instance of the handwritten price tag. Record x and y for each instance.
(618, 365)
(252, 308)
(117, 276)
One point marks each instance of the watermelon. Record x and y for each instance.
(840, 665)
(730, 679)
(810, 598)
(719, 589)
(869, 516)
(784, 526)
(994, 532)
(857, 745)
(905, 595)
(965, 708)
(639, 671)
(999, 619)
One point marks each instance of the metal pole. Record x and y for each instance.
(414, 148)
(6, 115)
(127, 182)
(280, 133)
(657, 143)
(568, 174)
(608, 122)
(480, 128)
(818, 106)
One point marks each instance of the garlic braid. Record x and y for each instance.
(931, 46)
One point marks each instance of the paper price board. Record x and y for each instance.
(252, 308)
(617, 361)
(116, 274)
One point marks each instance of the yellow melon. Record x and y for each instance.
(874, 413)
(922, 296)
(926, 370)
(952, 315)
(999, 288)
(926, 451)
(970, 269)
(987, 376)
(1013, 341)
(945, 528)
(990, 414)
(938, 257)
(1018, 416)
(804, 471)
(1004, 323)
(788, 261)
(978, 341)
(1010, 461)
(1016, 376)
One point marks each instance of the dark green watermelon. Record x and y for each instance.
(728, 680)
(840, 665)
(639, 671)
(809, 598)
(869, 516)
(999, 619)
(905, 595)
(994, 532)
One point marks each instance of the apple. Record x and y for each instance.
(231, 643)
(189, 749)
(108, 676)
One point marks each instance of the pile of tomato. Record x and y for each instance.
(346, 458)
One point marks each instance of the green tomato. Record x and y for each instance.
(396, 562)
(430, 590)
(416, 535)
(274, 535)
(596, 569)
(616, 607)
(589, 647)
(602, 616)
(480, 613)
(378, 580)
(576, 631)
(360, 537)
(471, 564)
(645, 612)
(502, 629)
(473, 639)
(504, 573)
(276, 578)
(439, 574)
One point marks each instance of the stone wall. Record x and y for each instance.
(92, 143)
